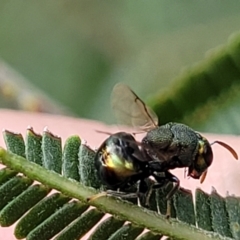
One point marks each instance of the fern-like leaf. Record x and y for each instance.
(60, 215)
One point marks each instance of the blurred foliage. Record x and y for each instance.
(75, 51)
(206, 95)
(17, 93)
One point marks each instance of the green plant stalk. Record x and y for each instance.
(139, 216)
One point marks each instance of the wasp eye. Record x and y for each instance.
(202, 161)
(205, 153)
(208, 155)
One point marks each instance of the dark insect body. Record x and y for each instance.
(176, 145)
(173, 145)
(121, 161)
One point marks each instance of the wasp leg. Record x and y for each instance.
(161, 181)
(121, 194)
(168, 212)
(148, 195)
(175, 180)
(143, 190)
(98, 195)
(157, 186)
(114, 194)
(150, 190)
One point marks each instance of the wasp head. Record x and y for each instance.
(203, 159)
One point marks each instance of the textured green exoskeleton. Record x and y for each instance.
(121, 161)
(172, 145)
(176, 145)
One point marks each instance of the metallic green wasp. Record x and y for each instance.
(121, 161)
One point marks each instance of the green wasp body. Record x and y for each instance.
(176, 145)
(173, 145)
(121, 161)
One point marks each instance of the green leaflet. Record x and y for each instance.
(22, 203)
(183, 202)
(43, 210)
(127, 231)
(149, 236)
(219, 214)
(34, 151)
(12, 188)
(52, 151)
(206, 92)
(6, 174)
(106, 228)
(87, 170)
(81, 225)
(203, 210)
(14, 142)
(70, 158)
(56, 222)
(233, 208)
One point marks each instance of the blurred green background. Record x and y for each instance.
(75, 51)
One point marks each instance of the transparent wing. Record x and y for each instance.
(130, 110)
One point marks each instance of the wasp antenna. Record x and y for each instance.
(229, 148)
(139, 132)
(99, 131)
(203, 177)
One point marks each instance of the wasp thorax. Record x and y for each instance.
(202, 160)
